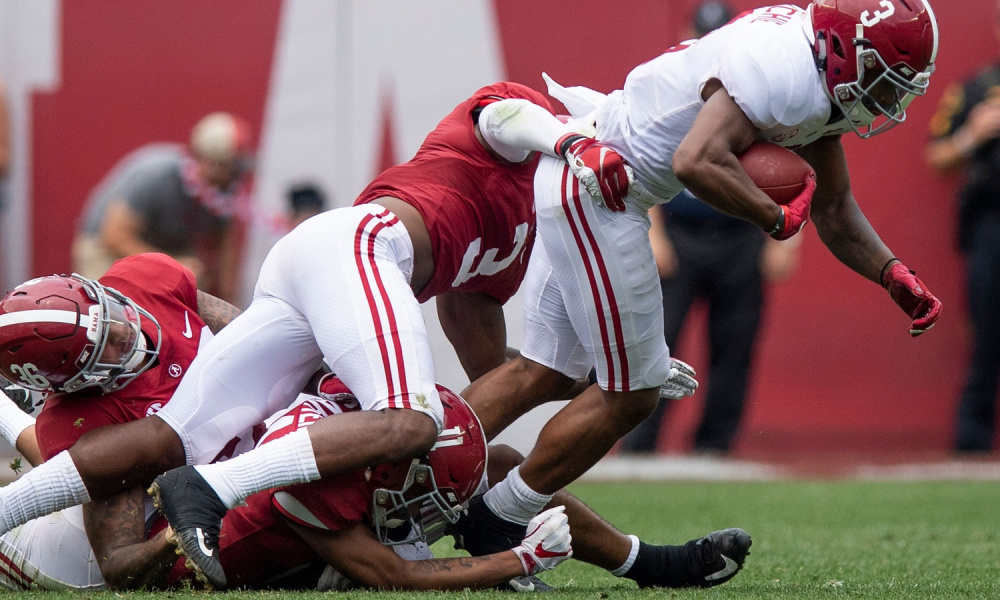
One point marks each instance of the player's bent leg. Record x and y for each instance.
(255, 366)
(194, 507)
(704, 562)
(707, 561)
(512, 389)
(103, 462)
(360, 439)
(113, 459)
(598, 416)
(496, 520)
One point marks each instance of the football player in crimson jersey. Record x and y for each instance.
(455, 222)
(107, 352)
(277, 538)
(359, 525)
(796, 77)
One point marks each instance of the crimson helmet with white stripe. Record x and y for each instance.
(65, 333)
(416, 499)
(875, 57)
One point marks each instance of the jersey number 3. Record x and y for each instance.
(489, 265)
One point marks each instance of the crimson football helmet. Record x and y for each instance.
(416, 499)
(65, 333)
(875, 57)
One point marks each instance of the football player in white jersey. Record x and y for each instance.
(798, 78)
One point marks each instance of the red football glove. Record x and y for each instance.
(907, 291)
(600, 169)
(795, 214)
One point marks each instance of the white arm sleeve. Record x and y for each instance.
(514, 128)
(13, 421)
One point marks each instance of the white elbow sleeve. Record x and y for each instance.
(515, 128)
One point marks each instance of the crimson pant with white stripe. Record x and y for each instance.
(592, 294)
(335, 288)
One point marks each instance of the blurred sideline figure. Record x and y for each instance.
(965, 135)
(704, 254)
(304, 200)
(179, 201)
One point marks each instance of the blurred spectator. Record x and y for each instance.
(704, 254)
(304, 201)
(966, 137)
(176, 200)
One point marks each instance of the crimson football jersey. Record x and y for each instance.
(257, 547)
(168, 291)
(479, 212)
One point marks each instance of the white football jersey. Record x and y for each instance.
(765, 62)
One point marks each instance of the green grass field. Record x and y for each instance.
(811, 540)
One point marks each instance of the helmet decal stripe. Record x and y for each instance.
(21, 317)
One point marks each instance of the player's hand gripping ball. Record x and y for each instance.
(778, 172)
(786, 178)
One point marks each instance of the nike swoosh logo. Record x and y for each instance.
(521, 587)
(204, 548)
(187, 326)
(730, 568)
(543, 553)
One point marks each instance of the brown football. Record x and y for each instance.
(778, 171)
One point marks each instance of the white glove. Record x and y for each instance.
(547, 543)
(681, 382)
(27, 400)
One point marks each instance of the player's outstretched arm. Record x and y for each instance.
(712, 560)
(359, 556)
(839, 221)
(846, 231)
(116, 529)
(514, 128)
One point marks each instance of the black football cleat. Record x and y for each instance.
(708, 561)
(479, 531)
(718, 557)
(195, 513)
(711, 560)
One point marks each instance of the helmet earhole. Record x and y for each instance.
(838, 48)
(836, 71)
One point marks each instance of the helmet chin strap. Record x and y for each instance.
(138, 354)
(820, 55)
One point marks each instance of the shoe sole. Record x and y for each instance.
(187, 545)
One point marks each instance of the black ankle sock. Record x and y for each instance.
(662, 566)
